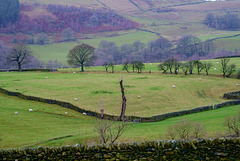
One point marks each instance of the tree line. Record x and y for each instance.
(78, 19)
(9, 12)
(225, 22)
(158, 50)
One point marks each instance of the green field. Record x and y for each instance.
(49, 121)
(156, 91)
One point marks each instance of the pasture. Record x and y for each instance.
(32, 129)
(156, 90)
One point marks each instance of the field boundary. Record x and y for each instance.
(205, 149)
(231, 95)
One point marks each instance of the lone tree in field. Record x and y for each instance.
(80, 55)
(20, 54)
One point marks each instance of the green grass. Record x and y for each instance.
(45, 122)
(49, 121)
(157, 94)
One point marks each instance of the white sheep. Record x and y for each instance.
(139, 96)
(46, 77)
(84, 113)
(75, 99)
(237, 84)
(74, 72)
(174, 86)
(66, 113)
(30, 110)
(200, 79)
(16, 113)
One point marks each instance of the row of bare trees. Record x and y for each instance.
(173, 66)
(155, 51)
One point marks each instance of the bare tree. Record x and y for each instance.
(163, 67)
(176, 65)
(133, 64)
(198, 131)
(20, 54)
(140, 66)
(233, 124)
(185, 129)
(191, 66)
(225, 68)
(170, 63)
(199, 66)
(112, 65)
(224, 65)
(126, 66)
(207, 66)
(110, 131)
(80, 55)
(185, 68)
(106, 66)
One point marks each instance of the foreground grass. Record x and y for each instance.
(156, 91)
(49, 121)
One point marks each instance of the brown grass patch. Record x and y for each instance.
(120, 5)
(209, 6)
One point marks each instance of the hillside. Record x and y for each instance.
(122, 22)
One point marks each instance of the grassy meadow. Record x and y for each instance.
(32, 129)
(156, 91)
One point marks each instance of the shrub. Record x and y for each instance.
(233, 124)
(185, 129)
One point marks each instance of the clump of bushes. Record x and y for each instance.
(186, 129)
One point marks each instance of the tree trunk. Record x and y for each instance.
(82, 70)
(124, 100)
(19, 67)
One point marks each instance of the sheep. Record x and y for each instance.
(200, 79)
(237, 84)
(217, 62)
(66, 113)
(30, 110)
(139, 96)
(215, 68)
(84, 113)
(174, 86)
(89, 74)
(75, 99)
(46, 77)
(16, 113)
(74, 72)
